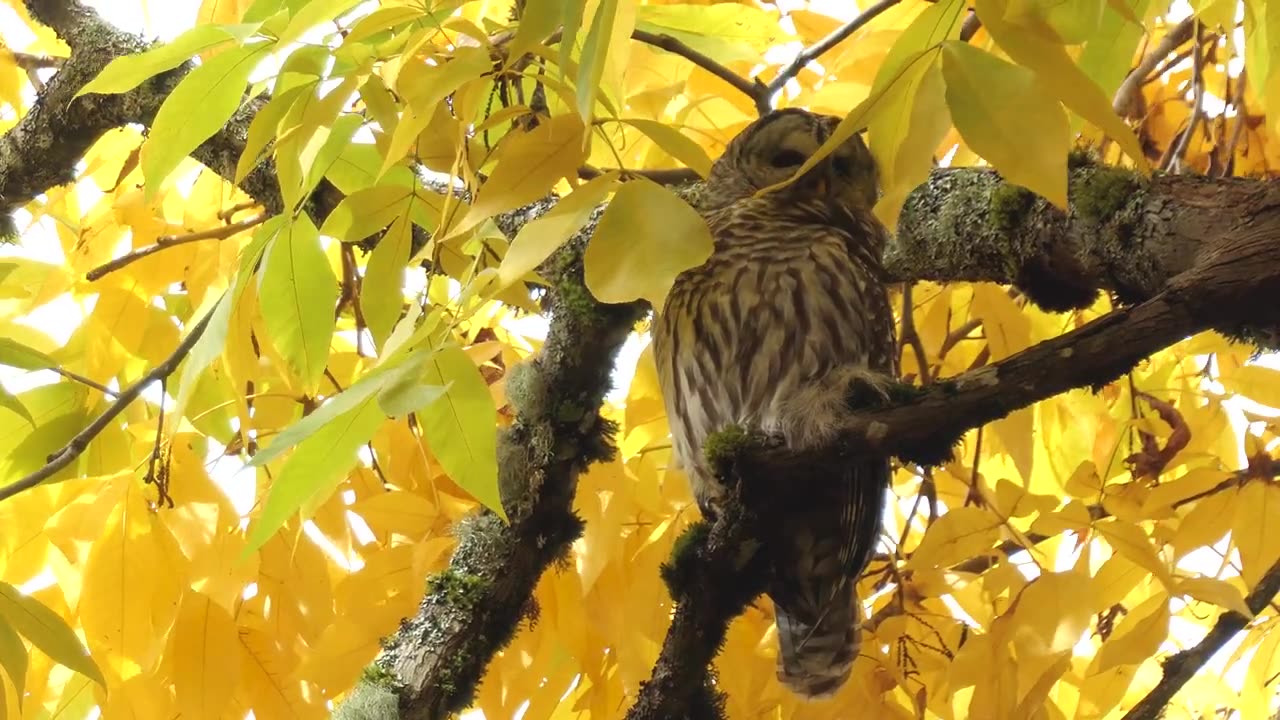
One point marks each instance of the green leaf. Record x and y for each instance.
(321, 462)
(15, 354)
(461, 427)
(47, 631)
(540, 237)
(1003, 113)
(646, 237)
(129, 71)
(676, 143)
(725, 32)
(297, 295)
(382, 291)
(404, 390)
(572, 11)
(11, 401)
(196, 109)
(1031, 48)
(13, 656)
(382, 20)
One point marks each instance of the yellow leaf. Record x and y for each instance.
(1005, 114)
(1049, 59)
(1132, 542)
(396, 511)
(677, 144)
(1053, 613)
(206, 657)
(1256, 382)
(645, 239)
(540, 237)
(265, 670)
(1137, 637)
(1254, 530)
(1219, 592)
(529, 165)
(1084, 482)
(1102, 691)
(126, 576)
(960, 534)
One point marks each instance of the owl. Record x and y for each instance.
(787, 314)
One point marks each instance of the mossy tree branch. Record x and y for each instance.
(1196, 253)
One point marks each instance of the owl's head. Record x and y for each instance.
(771, 149)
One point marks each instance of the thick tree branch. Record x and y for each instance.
(1182, 666)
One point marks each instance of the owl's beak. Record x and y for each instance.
(821, 185)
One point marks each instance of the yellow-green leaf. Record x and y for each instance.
(540, 237)
(539, 19)
(461, 426)
(321, 462)
(311, 14)
(594, 51)
(1004, 113)
(382, 292)
(529, 165)
(47, 631)
(365, 212)
(11, 401)
(646, 237)
(13, 656)
(196, 109)
(676, 143)
(1058, 72)
(129, 71)
(297, 297)
(424, 89)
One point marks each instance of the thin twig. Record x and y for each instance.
(166, 241)
(84, 381)
(1177, 151)
(1242, 116)
(910, 337)
(672, 45)
(763, 94)
(1132, 85)
(80, 442)
(672, 176)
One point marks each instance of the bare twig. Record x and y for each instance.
(910, 337)
(80, 442)
(1182, 666)
(1132, 85)
(166, 241)
(673, 176)
(672, 45)
(1177, 150)
(83, 381)
(763, 94)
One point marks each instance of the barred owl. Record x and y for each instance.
(789, 310)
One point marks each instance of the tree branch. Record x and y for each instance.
(763, 94)
(1182, 666)
(80, 442)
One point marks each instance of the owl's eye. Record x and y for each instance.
(787, 158)
(842, 165)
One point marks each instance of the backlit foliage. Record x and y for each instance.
(246, 559)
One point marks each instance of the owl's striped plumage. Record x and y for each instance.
(789, 309)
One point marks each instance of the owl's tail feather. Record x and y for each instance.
(816, 647)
